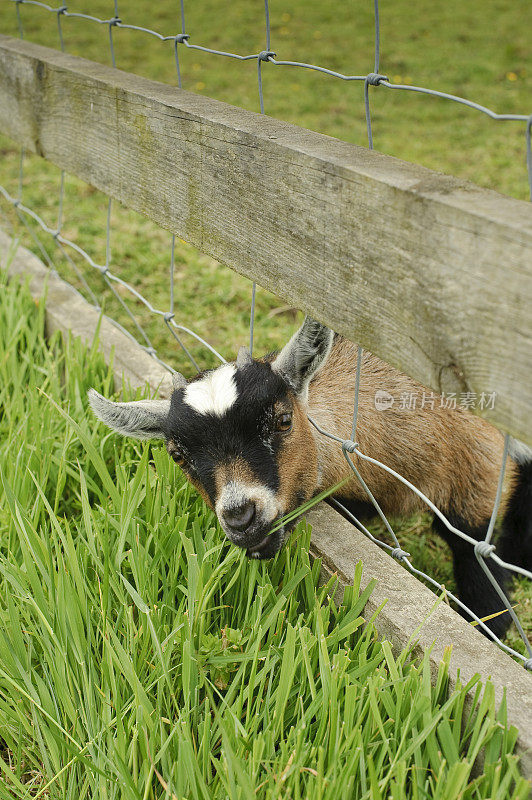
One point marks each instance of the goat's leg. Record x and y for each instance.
(475, 589)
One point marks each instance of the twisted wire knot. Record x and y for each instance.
(16, 203)
(151, 351)
(182, 37)
(168, 316)
(374, 78)
(528, 664)
(115, 21)
(265, 55)
(348, 446)
(104, 271)
(484, 549)
(56, 234)
(399, 554)
(61, 10)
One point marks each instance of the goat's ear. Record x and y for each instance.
(244, 357)
(178, 381)
(305, 353)
(141, 419)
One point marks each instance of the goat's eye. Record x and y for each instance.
(176, 456)
(284, 423)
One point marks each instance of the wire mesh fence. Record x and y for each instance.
(484, 549)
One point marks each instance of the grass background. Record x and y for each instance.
(145, 657)
(479, 50)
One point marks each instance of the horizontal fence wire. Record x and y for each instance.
(484, 550)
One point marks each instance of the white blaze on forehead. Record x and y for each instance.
(213, 394)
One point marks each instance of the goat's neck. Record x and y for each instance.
(330, 406)
(332, 465)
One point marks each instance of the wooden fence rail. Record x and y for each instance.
(431, 273)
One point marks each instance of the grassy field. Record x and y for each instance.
(144, 657)
(479, 50)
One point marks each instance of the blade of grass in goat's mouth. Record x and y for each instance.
(297, 512)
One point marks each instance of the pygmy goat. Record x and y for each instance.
(242, 435)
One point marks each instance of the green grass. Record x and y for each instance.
(144, 657)
(480, 50)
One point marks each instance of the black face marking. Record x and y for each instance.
(245, 431)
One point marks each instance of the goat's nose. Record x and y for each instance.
(240, 517)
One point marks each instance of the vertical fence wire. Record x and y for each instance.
(264, 56)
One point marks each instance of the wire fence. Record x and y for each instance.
(484, 550)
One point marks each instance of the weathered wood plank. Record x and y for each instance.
(431, 273)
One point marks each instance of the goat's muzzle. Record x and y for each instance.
(240, 518)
